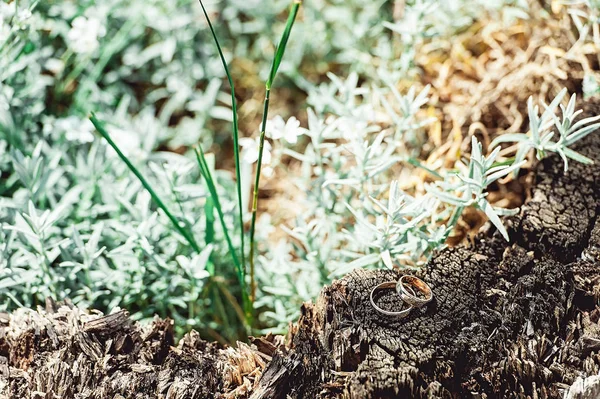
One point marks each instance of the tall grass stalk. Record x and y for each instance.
(210, 185)
(187, 234)
(236, 147)
(274, 67)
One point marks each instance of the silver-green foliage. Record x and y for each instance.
(104, 243)
(543, 129)
(75, 223)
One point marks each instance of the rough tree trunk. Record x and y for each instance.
(518, 319)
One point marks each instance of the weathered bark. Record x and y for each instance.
(518, 319)
(68, 353)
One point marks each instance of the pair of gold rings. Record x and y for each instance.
(405, 287)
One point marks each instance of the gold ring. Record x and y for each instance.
(411, 283)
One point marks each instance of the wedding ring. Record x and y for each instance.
(413, 283)
(400, 314)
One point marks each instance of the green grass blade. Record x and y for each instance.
(210, 221)
(210, 184)
(283, 42)
(176, 223)
(236, 149)
(274, 67)
(209, 235)
(255, 194)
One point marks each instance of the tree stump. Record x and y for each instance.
(516, 320)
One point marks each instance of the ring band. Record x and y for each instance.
(401, 314)
(409, 282)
